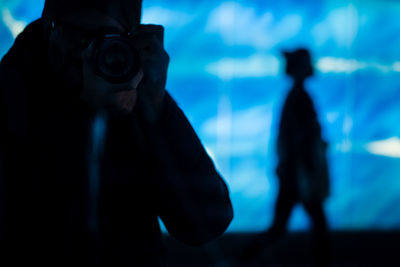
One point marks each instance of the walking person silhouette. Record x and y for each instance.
(302, 169)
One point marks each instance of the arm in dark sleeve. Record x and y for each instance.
(311, 134)
(194, 201)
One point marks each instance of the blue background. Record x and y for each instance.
(226, 73)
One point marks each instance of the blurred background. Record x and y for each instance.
(226, 73)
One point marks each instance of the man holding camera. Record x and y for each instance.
(94, 150)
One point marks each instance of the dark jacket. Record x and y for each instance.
(147, 172)
(299, 134)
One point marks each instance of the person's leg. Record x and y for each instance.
(321, 241)
(283, 207)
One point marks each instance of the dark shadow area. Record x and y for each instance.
(349, 248)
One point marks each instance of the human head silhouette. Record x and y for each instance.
(298, 64)
(68, 24)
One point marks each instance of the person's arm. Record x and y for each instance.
(311, 134)
(193, 199)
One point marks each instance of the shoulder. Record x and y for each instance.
(25, 58)
(26, 48)
(22, 62)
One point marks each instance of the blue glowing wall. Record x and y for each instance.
(226, 74)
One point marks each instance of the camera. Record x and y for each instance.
(115, 59)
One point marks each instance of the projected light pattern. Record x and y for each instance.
(226, 74)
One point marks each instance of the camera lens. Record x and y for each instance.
(116, 60)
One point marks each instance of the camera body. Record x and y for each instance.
(115, 58)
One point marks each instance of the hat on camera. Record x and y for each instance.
(126, 12)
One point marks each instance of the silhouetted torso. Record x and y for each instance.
(45, 145)
(298, 129)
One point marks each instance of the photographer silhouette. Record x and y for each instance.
(94, 149)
